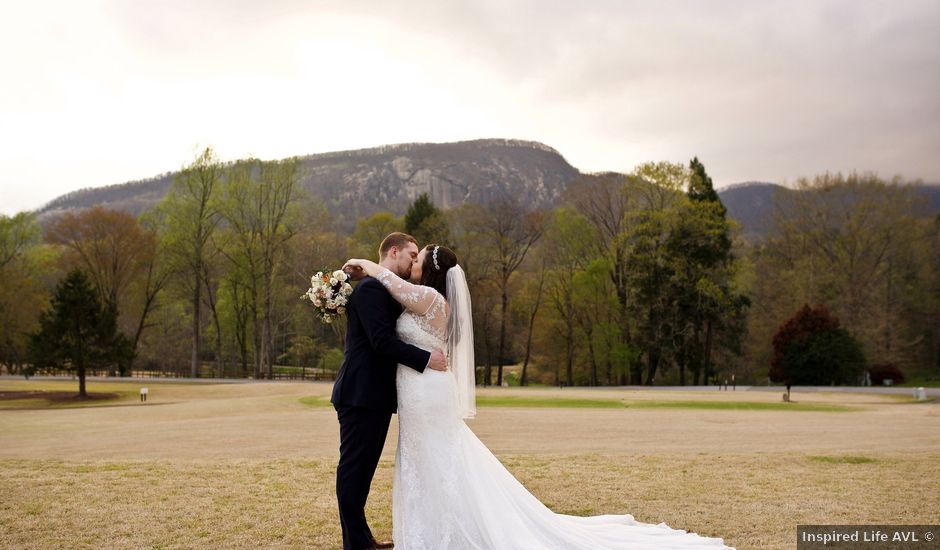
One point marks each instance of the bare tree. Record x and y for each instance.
(605, 200)
(509, 233)
(119, 256)
(534, 292)
(258, 208)
(107, 245)
(189, 217)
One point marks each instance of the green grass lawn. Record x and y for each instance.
(583, 403)
(529, 402)
(316, 401)
(740, 406)
(548, 402)
(535, 402)
(847, 459)
(59, 395)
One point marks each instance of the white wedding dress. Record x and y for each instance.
(450, 491)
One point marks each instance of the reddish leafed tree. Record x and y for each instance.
(118, 256)
(812, 348)
(108, 245)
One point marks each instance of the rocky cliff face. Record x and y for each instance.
(362, 182)
(359, 183)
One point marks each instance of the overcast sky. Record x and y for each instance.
(101, 92)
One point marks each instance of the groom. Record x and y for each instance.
(364, 393)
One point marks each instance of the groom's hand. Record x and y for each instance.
(438, 361)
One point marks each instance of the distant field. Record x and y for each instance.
(252, 465)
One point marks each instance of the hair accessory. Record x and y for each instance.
(437, 266)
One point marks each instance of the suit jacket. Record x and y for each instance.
(373, 350)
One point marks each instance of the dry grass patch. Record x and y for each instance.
(57, 399)
(752, 501)
(252, 465)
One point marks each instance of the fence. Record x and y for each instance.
(204, 373)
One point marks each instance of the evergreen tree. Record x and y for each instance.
(425, 222)
(700, 186)
(78, 332)
(708, 304)
(419, 211)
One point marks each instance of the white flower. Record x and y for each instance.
(329, 293)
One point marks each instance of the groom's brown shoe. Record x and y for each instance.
(382, 545)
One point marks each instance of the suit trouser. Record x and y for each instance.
(362, 434)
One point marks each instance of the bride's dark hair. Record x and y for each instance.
(435, 276)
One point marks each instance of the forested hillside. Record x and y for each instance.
(651, 277)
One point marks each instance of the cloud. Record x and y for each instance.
(108, 91)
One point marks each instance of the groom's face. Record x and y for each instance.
(406, 259)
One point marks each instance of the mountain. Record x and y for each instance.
(132, 197)
(361, 182)
(930, 198)
(751, 204)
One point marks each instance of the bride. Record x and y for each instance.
(450, 491)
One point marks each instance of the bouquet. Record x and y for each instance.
(329, 293)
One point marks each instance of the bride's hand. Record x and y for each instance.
(357, 269)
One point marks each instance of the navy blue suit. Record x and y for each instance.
(364, 397)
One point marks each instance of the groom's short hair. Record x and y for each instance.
(396, 239)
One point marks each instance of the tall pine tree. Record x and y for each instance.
(707, 301)
(419, 211)
(700, 186)
(78, 332)
(425, 222)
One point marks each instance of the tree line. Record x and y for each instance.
(636, 278)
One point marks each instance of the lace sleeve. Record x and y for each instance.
(416, 298)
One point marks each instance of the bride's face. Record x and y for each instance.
(418, 266)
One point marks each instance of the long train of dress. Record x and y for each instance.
(451, 492)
